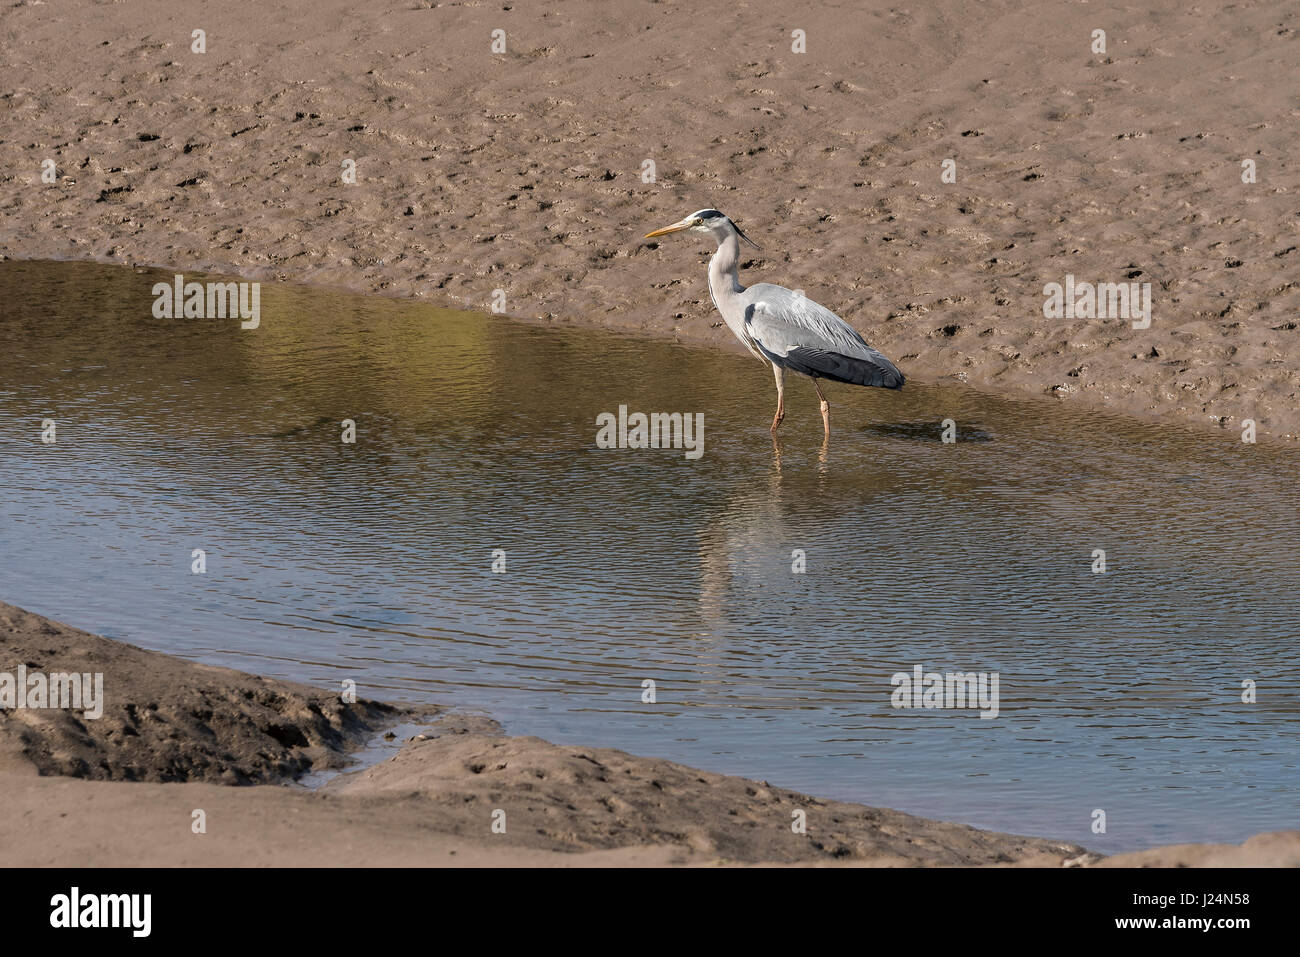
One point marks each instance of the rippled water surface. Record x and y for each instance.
(325, 561)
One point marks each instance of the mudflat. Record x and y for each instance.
(1164, 159)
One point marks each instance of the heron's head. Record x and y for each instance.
(705, 221)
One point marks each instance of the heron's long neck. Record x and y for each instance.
(724, 278)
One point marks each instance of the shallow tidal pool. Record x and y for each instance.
(475, 546)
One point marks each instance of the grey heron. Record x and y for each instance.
(781, 326)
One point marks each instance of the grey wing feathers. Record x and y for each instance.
(803, 336)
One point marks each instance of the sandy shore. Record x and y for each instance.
(522, 171)
(91, 792)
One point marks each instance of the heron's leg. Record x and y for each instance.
(780, 396)
(826, 408)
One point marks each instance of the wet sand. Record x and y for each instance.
(175, 737)
(522, 171)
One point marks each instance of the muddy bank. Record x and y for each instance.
(523, 171)
(167, 719)
(83, 791)
(567, 798)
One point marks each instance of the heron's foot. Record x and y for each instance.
(776, 421)
(826, 416)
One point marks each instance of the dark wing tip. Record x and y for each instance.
(819, 363)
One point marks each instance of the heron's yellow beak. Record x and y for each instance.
(674, 228)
